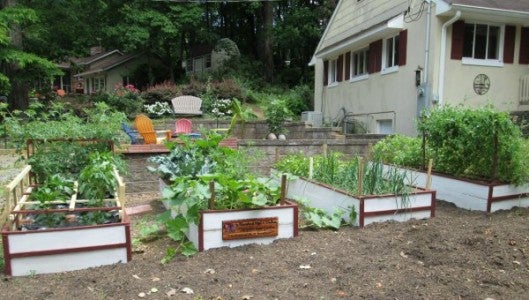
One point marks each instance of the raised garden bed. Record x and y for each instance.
(237, 227)
(471, 194)
(419, 204)
(30, 248)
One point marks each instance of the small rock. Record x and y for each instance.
(171, 292)
(305, 267)
(142, 295)
(209, 271)
(246, 297)
(188, 291)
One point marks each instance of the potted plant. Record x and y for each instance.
(277, 113)
(214, 201)
(479, 158)
(51, 226)
(363, 192)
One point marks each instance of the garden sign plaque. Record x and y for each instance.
(249, 228)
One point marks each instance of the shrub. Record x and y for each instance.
(276, 113)
(126, 99)
(161, 92)
(399, 150)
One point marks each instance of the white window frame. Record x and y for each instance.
(98, 84)
(332, 75)
(360, 54)
(497, 62)
(392, 64)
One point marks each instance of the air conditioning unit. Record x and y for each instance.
(313, 117)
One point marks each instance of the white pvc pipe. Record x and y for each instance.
(443, 56)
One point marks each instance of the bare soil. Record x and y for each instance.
(458, 254)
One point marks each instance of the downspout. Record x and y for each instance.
(427, 48)
(443, 56)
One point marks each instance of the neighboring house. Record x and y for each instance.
(101, 71)
(204, 58)
(380, 63)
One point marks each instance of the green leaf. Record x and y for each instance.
(188, 249)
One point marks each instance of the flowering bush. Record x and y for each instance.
(221, 108)
(158, 109)
(125, 98)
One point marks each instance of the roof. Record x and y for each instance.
(108, 63)
(83, 61)
(514, 5)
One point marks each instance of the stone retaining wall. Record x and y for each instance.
(139, 179)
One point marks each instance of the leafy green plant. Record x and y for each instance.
(317, 218)
(479, 144)
(96, 180)
(55, 188)
(336, 170)
(190, 169)
(277, 113)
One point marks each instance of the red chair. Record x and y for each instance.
(182, 126)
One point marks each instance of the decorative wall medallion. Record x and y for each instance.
(481, 84)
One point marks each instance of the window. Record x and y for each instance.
(333, 71)
(359, 63)
(391, 50)
(98, 84)
(385, 126)
(207, 59)
(481, 41)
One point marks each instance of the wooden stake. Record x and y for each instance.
(211, 204)
(360, 176)
(276, 158)
(429, 175)
(324, 149)
(283, 189)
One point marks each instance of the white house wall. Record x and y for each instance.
(396, 92)
(504, 82)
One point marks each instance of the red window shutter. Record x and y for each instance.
(375, 57)
(458, 34)
(524, 46)
(403, 42)
(339, 66)
(347, 65)
(508, 46)
(325, 72)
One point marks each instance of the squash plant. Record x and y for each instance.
(190, 169)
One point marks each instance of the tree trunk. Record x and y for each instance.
(267, 54)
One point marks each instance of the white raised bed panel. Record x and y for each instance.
(419, 205)
(472, 195)
(208, 233)
(65, 249)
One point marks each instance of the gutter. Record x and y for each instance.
(442, 57)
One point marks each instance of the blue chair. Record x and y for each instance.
(131, 133)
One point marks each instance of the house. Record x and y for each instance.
(101, 71)
(204, 58)
(380, 63)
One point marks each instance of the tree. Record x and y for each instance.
(19, 70)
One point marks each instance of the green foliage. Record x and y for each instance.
(277, 113)
(55, 188)
(189, 170)
(465, 142)
(316, 218)
(334, 169)
(96, 180)
(63, 158)
(126, 99)
(399, 150)
(55, 121)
